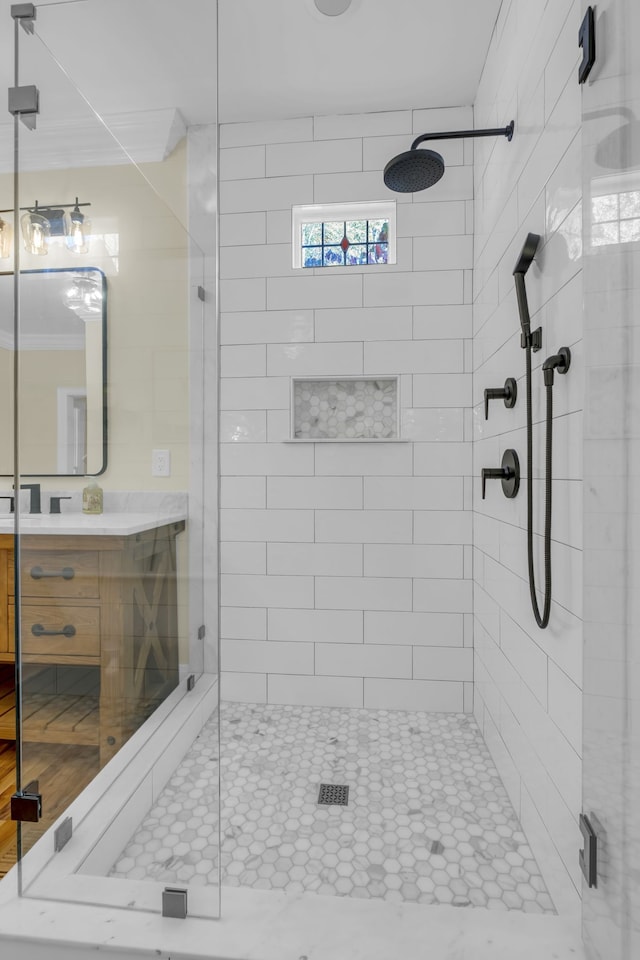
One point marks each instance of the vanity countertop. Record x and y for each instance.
(79, 524)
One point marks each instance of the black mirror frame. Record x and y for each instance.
(98, 473)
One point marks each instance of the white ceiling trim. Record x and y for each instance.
(144, 137)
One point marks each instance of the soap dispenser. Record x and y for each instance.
(92, 497)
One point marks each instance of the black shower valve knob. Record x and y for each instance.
(508, 472)
(508, 393)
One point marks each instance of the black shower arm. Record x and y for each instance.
(460, 134)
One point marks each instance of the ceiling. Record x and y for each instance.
(282, 58)
(149, 66)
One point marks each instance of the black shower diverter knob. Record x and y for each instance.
(508, 393)
(508, 473)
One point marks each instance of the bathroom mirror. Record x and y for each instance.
(62, 372)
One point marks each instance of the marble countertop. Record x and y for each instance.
(79, 524)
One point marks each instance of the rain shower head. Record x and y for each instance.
(416, 169)
(413, 170)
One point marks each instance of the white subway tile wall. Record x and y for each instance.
(344, 573)
(528, 698)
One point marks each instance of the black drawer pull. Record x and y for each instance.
(67, 573)
(67, 631)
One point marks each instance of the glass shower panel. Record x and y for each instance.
(611, 231)
(104, 577)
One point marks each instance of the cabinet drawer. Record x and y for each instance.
(76, 630)
(58, 573)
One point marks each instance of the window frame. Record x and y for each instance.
(332, 212)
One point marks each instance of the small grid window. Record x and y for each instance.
(615, 218)
(345, 243)
(344, 235)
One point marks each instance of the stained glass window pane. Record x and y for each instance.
(378, 230)
(379, 253)
(605, 208)
(357, 231)
(630, 205)
(334, 232)
(345, 243)
(312, 256)
(357, 254)
(333, 257)
(311, 233)
(629, 230)
(603, 233)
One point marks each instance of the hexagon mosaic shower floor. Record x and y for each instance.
(428, 819)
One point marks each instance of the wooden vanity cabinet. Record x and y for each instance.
(99, 635)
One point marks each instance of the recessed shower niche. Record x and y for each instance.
(345, 409)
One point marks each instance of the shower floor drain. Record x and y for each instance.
(334, 793)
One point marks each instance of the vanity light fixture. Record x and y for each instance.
(40, 224)
(78, 229)
(6, 236)
(84, 297)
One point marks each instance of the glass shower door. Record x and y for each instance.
(105, 573)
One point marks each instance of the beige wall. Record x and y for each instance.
(143, 251)
(41, 373)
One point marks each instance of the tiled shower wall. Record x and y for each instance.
(528, 681)
(346, 567)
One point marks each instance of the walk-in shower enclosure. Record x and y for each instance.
(290, 676)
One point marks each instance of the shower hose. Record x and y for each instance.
(541, 620)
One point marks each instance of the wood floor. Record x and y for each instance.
(62, 770)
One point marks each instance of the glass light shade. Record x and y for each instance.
(36, 232)
(78, 229)
(6, 236)
(84, 297)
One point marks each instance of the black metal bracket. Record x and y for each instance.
(26, 13)
(533, 340)
(174, 903)
(26, 805)
(24, 102)
(588, 857)
(63, 834)
(587, 40)
(508, 393)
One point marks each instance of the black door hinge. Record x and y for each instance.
(26, 805)
(587, 40)
(588, 857)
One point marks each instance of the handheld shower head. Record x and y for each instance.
(523, 263)
(416, 169)
(527, 254)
